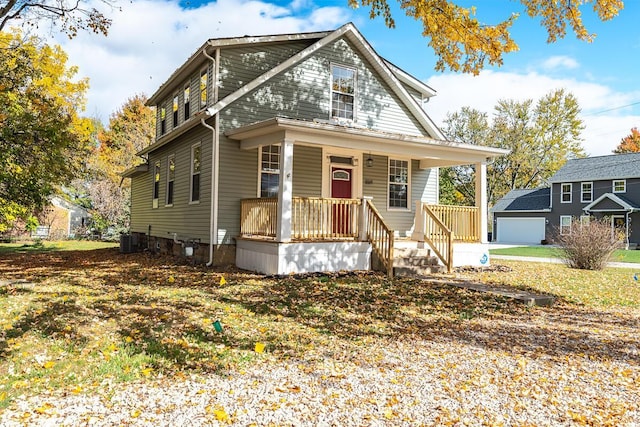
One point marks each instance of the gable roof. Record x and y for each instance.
(616, 166)
(622, 201)
(521, 200)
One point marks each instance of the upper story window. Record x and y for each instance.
(586, 193)
(398, 183)
(187, 102)
(163, 121)
(619, 186)
(174, 108)
(269, 170)
(565, 192)
(203, 88)
(195, 173)
(156, 183)
(171, 177)
(343, 92)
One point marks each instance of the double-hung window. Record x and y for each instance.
(156, 183)
(187, 102)
(565, 192)
(195, 173)
(565, 224)
(163, 120)
(171, 177)
(343, 92)
(619, 186)
(586, 193)
(203, 88)
(269, 170)
(174, 108)
(398, 183)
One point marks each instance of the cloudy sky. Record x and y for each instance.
(149, 39)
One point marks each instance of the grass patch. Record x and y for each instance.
(632, 256)
(52, 246)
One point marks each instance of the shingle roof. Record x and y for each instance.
(536, 199)
(617, 166)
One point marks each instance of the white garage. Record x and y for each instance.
(520, 230)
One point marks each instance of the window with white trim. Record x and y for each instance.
(156, 183)
(163, 120)
(586, 192)
(565, 192)
(187, 102)
(174, 108)
(398, 196)
(195, 173)
(203, 88)
(343, 92)
(585, 220)
(171, 177)
(619, 185)
(269, 170)
(565, 224)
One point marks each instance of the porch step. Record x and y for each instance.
(414, 262)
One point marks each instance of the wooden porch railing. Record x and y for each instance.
(435, 233)
(463, 221)
(380, 236)
(314, 218)
(258, 217)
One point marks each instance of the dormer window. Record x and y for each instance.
(343, 91)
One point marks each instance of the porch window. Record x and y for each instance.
(343, 90)
(619, 186)
(586, 195)
(565, 193)
(171, 176)
(398, 183)
(195, 173)
(174, 108)
(565, 224)
(203, 88)
(163, 120)
(187, 102)
(156, 183)
(269, 170)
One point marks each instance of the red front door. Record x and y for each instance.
(341, 189)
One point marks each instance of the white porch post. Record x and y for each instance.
(481, 198)
(285, 193)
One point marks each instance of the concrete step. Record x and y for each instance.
(418, 271)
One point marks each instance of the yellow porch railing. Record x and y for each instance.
(435, 233)
(380, 236)
(258, 217)
(463, 221)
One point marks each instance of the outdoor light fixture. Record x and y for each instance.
(369, 161)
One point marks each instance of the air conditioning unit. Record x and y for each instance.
(128, 243)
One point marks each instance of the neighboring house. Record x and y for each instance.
(295, 153)
(604, 186)
(60, 219)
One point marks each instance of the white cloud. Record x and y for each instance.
(603, 130)
(150, 39)
(560, 62)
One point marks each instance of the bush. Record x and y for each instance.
(589, 246)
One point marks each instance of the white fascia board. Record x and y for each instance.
(410, 80)
(625, 206)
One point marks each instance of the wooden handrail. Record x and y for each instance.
(258, 216)
(464, 221)
(438, 236)
(380, 235)
(315, 218)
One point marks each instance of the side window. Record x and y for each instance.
(156, 183)
(174, 108)
(203, 88)
(398, 184)
(565, 193)
(171, 177)
(269, 171)
(163, 121)
(343, 92)
(187, 102)
(195, 173)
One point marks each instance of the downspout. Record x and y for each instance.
(215, 163)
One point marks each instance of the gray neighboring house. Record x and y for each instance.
(603, 186)
(295, 153)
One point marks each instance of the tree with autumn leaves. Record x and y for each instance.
(630, 143)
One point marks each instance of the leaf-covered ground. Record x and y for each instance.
(102, 338)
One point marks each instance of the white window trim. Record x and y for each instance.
(192, 173)
(582, 192)
(166, 198)
(561, 226)
(186, 102)
(355, 91)
(356, 170)
(259, 189)
(562, 193)
(585, 220)
(175, 114)
(624, 185)
(156, 197)
(206, 88)
(408, 208)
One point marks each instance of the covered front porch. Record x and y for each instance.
(354, 196)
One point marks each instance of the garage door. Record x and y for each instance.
(520, 230)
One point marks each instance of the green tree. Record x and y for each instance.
(540, 139)
(462, 43)
(43, 140)
(630, 143)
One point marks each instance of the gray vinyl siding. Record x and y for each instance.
(189, 220)
(307, 171)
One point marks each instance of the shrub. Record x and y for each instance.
(589, 246)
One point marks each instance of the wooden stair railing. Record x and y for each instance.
(379, 235)
(436, 234)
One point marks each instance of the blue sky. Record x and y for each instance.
(150, 38)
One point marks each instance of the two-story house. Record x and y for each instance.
(604, 186)
(296, 153)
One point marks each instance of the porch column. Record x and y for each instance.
(481, 198)
(285, 191)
